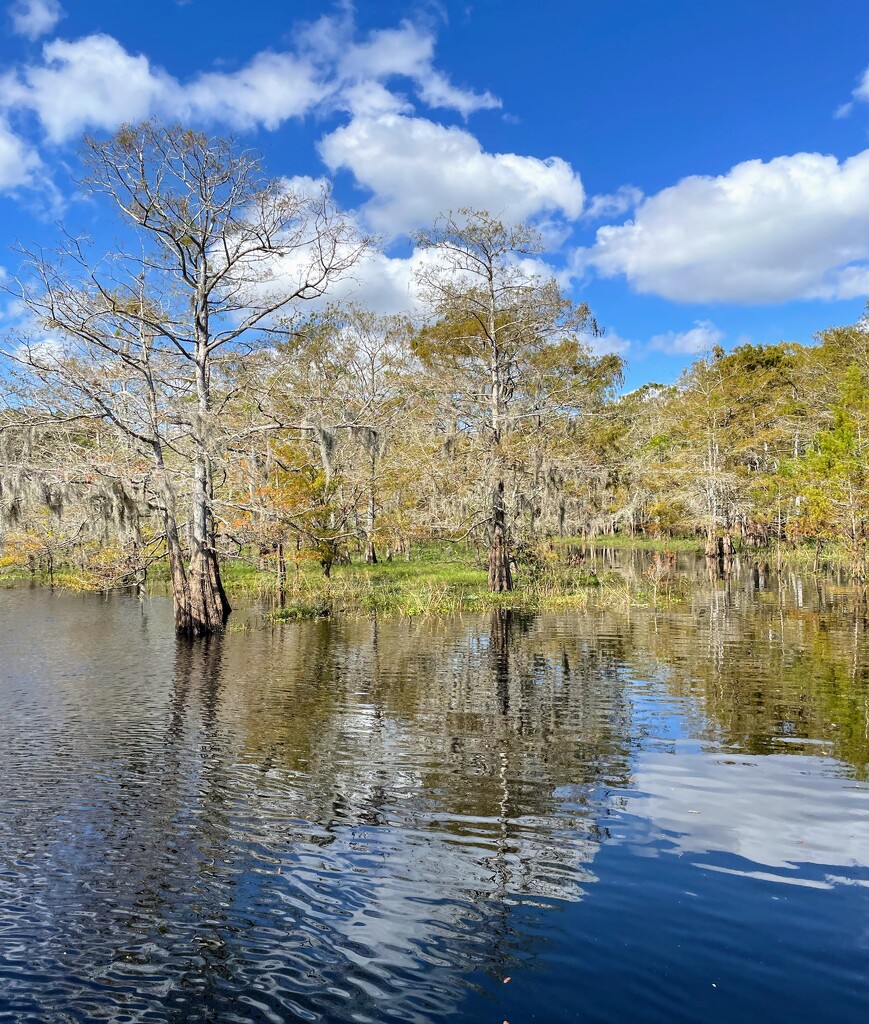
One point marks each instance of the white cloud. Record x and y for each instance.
(606, 205)
(861, 92)
(406, 51)
(95, 83)
(608, 342)
(19, 164)
(699, 338)
(371, 99)
(90, 83)
(417, 169)
(35, 18)
(796, 227)
(436, 90)
(385, 284)
(270, 89)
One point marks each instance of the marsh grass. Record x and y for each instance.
(437, 580)
(445, 579)
(832, 555)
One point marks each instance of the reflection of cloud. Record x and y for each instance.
(422, 884)
(778, 811)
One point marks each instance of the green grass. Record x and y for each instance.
(437, 580)
(832, 555)
(444, 579)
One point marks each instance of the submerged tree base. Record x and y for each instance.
(201, 605)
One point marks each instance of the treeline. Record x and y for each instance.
(182, 399)
(763, 445)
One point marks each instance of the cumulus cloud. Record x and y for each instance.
(614, 204)
(90, 83)
(608, 343)
(407, 51)
(386, 285)
(414, 167)
(796, 227)
(270, 89)
(19, 164)
(417, 169)
(96, 83)
(35, 18)
(699, 338)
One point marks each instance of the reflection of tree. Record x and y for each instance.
(473, 728)
(772, 660)
(132, 836)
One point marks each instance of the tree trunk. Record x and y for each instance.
(713, 544)
(500, 576)
(282, 575)
(208, 607)
(371, 511)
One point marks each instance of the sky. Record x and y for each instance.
(699, 171)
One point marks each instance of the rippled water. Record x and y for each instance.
(631, 816)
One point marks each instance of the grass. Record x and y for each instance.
(444, 579)
(438, 580)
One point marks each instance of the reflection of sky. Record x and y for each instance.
(776, 811)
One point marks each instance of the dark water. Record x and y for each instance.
(632, 816)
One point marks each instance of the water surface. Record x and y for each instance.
(633, 816)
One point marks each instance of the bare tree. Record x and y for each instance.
(216, 253)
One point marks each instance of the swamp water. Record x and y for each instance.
(632, 816)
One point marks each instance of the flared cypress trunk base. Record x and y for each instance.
(713, 545)
(500, 575)
(201, 605)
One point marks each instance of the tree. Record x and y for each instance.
(137, 338)
(504, 342)
(833, 477)
(346, 375)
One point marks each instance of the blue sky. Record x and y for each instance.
(700, 170)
